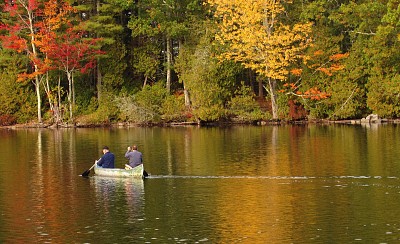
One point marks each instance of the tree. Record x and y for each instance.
(255, 35)
(21, 37)
(107, 20)
(369, 81)
(165, 24)
(55, 17)
(71, 53)
(383, 96)
(210, 83)
(16, 98)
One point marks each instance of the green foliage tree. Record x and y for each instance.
(209, 83)
(383, 52)
(162, 24)
(107, 19)
(341, 28)
(16, 98)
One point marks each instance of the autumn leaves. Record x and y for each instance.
(255, 34)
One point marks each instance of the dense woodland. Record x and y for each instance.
(91, 62)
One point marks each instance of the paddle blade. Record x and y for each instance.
(86, 173)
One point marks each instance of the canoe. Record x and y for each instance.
(136, 172)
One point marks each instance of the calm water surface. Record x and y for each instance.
(283, 184)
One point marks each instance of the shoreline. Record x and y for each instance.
(200, 124)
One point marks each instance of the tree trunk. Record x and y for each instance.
(37, 78)
(52, 100)
(59, 99)
(145, 81)
(169, 64)
(73, 89)
(73, 97)
(99, 76)
(272, 93)
(187, 96)
(54, 103)
(69, 76)
(99, 81)
(260, 88)
(185, 90)
(39, 100)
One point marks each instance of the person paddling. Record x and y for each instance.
(107, 160)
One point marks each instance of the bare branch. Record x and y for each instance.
(362, 33)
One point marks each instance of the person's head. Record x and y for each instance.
(134, 147)
(105, 149)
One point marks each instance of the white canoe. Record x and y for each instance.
(137, 172)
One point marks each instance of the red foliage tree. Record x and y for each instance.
(43, 30)
(21, 36)
(71, 52)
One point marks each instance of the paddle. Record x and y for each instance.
(87, 172)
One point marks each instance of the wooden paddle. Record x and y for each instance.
(87, 172)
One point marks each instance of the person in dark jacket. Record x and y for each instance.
(107, 160)
(134, 156)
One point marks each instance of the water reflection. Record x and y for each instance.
(110, 189)
(283, 184)
(119, 198)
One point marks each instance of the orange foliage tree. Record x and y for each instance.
(55, 17)
(331, 66)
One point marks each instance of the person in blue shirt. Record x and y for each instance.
(107, 160)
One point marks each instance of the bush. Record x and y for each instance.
(7, 119)
(152, 97)
(131, 111)
(106, 112)
(144, 106)
(243, 107)
(173, 108)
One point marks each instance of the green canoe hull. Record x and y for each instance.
(136, 172)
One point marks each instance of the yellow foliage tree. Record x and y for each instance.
(253, 33)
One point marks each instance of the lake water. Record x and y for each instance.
(241, 184)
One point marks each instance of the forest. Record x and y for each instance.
(97, 62)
